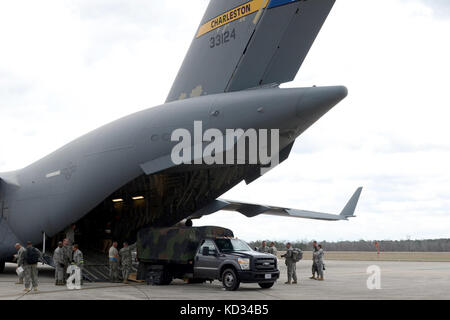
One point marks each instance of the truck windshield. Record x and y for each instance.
(227, 245)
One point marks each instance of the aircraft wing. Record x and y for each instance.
(251, 210)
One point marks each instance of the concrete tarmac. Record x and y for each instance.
(343, 280)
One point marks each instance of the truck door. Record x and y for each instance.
(206, 262)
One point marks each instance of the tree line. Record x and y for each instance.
(431, 245)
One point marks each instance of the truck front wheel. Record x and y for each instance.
(266, 285)
(230, 280)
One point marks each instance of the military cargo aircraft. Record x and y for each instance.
(122, 177)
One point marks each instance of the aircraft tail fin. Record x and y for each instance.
(349, 209)
(243, 44)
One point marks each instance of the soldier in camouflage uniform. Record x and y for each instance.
(126, 261)
(20, 256)
(31, 270)
(290, 264)
(314, 265)
(68, 252)
(78, 260)
(272, 249)
(263, 248)
(114, 263)
(318, 259)
(59, 261)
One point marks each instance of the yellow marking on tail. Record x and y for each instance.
(234, 14)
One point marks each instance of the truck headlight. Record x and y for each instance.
(244, 263)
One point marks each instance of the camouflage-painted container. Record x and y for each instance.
(176, 244)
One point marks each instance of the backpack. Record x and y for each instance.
(32, 256)
(297, 255)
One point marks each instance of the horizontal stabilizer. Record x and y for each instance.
(251, 210)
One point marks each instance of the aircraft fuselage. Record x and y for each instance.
(65, 186)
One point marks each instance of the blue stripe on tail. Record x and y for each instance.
(277, 3)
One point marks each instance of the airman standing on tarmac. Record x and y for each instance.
(314, 265)
(126, 260)
(263, 248)
(290, 264)
(58, 260)
(32, 256)
(20, 256)
(318, 258)
(68, 252)
(272, 249)
(78, 260)
(114, 263)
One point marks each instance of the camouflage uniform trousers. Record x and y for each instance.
(320, 269)
(291, 271)
(126, 270)
(67, 253)
(31, 275)
(113, 270)
(20, 263)
(314, 269)
(81, 266)
(59, 272)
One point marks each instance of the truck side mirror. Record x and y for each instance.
(205, 251)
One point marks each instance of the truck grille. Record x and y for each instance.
(265, 264)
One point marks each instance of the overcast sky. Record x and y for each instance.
(68, 67)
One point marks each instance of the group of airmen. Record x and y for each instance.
(123, 259)
(268, 249)
(67, 253)
(27, 259)
(317, 268)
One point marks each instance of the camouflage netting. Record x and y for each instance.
(176, 244)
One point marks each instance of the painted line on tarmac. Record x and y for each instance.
(141, 291)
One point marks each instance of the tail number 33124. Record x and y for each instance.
(222, 38)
